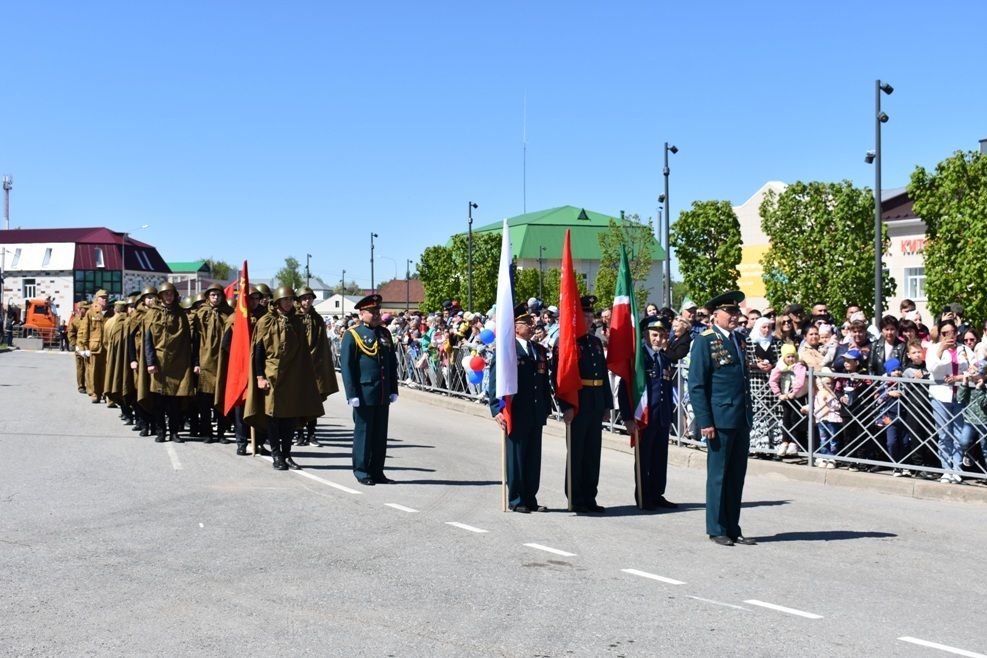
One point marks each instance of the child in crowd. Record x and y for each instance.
(917, 411)
(973, 396)
(852, 394)
(788, 382)
(889, 420)
(828, 419)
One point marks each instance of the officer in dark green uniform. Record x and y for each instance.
(530, 407)
(370, 378)
(722, 405)
(586, 426)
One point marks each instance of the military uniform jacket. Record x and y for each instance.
(659, 379)
(592, 367)
(209, 324)
(718, 387)
(532, 403)
(281, 356)
(73, 331)
(168, 345)
(318, 346)
(90, 334)
(369, 365)
(119, 377)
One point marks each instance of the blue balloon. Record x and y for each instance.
(475, 376)
(487, 336)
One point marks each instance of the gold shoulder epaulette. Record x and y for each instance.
(708, 332)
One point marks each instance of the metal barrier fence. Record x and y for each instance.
(860, 422)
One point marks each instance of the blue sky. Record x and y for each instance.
(264, 130)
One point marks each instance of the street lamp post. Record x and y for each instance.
(541, 272)
(666, 285)
(407, 287)
(123, 260)
(373, 288)
(875, 158)
(469, 255)
(668, 220)
(308, 271)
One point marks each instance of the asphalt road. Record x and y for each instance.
(111, 544)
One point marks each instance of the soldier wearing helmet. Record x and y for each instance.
(169, 358)
(208, 326)
(281, 394)
(317, 340)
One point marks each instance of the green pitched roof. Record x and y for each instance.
(188, 267)
(547, 228)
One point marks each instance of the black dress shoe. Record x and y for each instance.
(279, 465)
(744, 541)
(292, 464)
(209, 439)
(158, 439)
(223, 441)
(667, 504)
(176, 438)
(597, 509)
(241, 450)
(146, 432)
(367, 481)
(383, 479)
(539, 508)
(521, 509)
(721, 540)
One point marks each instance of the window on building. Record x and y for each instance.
(29, 288)
(99, 257)
(17, 257)
(88, 282)
(47, 258)
(915, 283)
(144, 260)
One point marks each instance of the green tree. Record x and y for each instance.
(706, 239)
(822, 246)
(221, 270)
(289, 275)
(640, 241)
(679, 292)
(436, 271)
(444, 271)
(525, 284)
(553, 284)
(346, 288)
(953, 203)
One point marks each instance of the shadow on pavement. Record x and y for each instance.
(450, 483)
(825, 535)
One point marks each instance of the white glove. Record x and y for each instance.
(78, 350)
(353, 402)
(394, 398)
(86, 353)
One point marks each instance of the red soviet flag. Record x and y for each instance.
(238, 369)
(572, 325)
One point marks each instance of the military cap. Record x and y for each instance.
(728, 301)
(283, 292)
(149, 290)
(588, 302)
(215, 286)
(264, 289)
(101, 293)
(122, 303)
(83, 304)
(655, 322)
(368, 302)
(166, 287)
(522, 314)
(305, 291)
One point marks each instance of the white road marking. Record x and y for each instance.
(726, 605)
(201, 525)
(781, 608)
(402, 508)
(941, 647)
(177, 465)
(652, 576)
(549, 549)
(308, 475)
(463, 526)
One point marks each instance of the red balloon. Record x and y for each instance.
(477, 363)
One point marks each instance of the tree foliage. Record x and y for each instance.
(707, 241)
(822, 246)
(640, 241)
(289, 275)
(444, 271)
(553, 284)
(346, 288)
(221, 270)
(953, 203)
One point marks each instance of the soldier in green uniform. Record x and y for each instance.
(721, 402)
(281, 392)
(117, 380)
(370, 379)
(144, 407)
(73, 334)
(265, 296)
(169, 358)
(90, 340)
(530, 407)
(208, 325)
(586, 426)
(318, 346)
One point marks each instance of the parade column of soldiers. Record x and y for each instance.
(164, 364)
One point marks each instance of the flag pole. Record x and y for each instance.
(638, 489)
(568, 465)
(503, 469)
(253, 441)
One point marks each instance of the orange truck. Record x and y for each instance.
(40, 320)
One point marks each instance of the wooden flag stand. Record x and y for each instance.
(253, 442)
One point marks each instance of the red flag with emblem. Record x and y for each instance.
(238, 369)
(572, 325)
